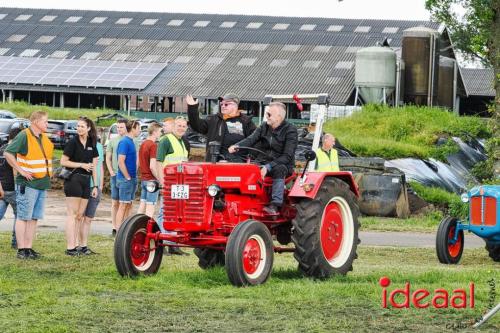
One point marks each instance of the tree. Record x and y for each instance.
(477, 34)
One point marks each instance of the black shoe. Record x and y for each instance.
(174, 250)
(113, 233)
(73, 252)
(32, 254)
(21, 254)
(271, 209)
(85, 251)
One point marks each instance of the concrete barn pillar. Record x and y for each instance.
(61, 100)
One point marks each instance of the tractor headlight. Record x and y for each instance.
(152, 186)
(464, 197)
(214, 190)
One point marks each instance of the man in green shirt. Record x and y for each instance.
(167, 154)
(30, 155)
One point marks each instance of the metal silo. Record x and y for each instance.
(447, 82)
(421, 56)
(375, 74)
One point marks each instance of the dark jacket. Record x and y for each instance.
(280, 143)
(214, 126)
(6, 172)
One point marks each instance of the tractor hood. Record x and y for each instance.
(245, 177)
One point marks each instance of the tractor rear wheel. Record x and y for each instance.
(493, 251)
(208, 258)
(132, 256)
(325, 231)
(249, 254)
(448, 252)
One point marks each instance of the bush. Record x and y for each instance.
(448, 202)
(410, 131)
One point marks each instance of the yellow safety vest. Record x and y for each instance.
(325, 163)
(35, 161)
(180, 153)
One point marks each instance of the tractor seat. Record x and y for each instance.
(268, 181)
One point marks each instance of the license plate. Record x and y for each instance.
(179, 192)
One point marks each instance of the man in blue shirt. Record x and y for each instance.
(126, 179)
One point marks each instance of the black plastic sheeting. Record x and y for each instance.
(453, 176)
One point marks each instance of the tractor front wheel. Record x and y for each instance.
(208, 258)
(493, 251)
(325, 231)
(449, 252)
(133, 254)
(249, 254)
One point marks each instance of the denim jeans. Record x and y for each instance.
(30, 203)
(148, 197)
(127, 189)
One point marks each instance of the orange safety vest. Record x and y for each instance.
(37, 161)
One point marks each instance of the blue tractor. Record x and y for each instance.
(483, 220)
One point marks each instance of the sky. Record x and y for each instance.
(368, 9)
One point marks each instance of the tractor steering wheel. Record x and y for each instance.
(256, 160)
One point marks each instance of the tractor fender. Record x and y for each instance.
(316, 179)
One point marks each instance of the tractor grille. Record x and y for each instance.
(181, 211)
(475, 209)
(490, 211)
(483, 210)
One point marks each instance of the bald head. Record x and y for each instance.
(328, 141)
(276, 113)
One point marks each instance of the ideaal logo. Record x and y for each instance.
(423, 298)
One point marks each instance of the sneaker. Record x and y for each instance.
(73, 252)
(21, 254)
(271, 209)
(32, 254)
(85, 251)
(174, 250)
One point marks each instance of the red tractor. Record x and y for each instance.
(217, 208)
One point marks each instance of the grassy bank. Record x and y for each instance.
(403, 132)
(63, 294)
(23, 110)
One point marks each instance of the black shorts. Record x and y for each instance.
(78, 186)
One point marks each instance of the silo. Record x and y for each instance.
(421, 56)
(375, 74)
(446, 92)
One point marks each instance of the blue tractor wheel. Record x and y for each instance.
(449, 250)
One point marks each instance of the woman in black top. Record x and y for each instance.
(80, 155)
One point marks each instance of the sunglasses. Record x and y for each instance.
(224, 104)
(268, 115)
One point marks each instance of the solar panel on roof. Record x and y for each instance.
(83, 73)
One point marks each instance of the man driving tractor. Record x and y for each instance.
(278, 138)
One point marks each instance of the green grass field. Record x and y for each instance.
(427, 224)
(86, 294)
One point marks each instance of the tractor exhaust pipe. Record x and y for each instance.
(214, 150)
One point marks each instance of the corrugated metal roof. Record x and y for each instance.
(224, 46)
(478, 81)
